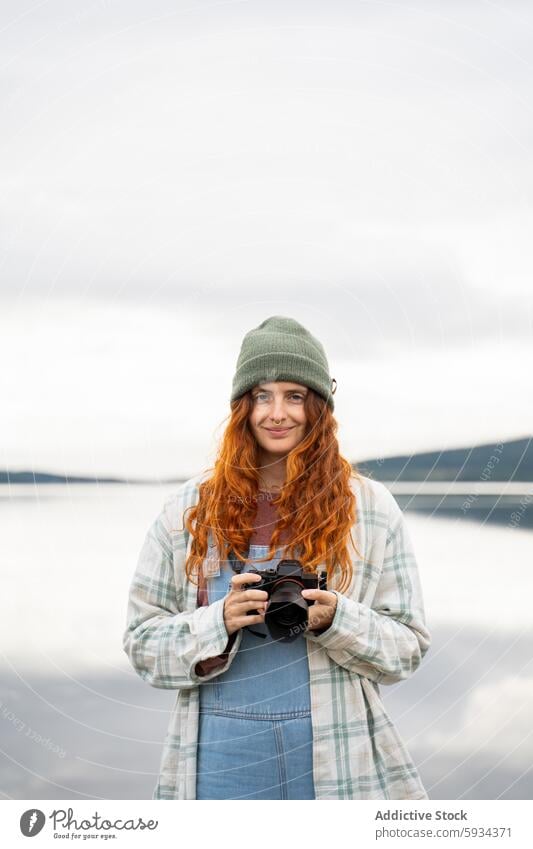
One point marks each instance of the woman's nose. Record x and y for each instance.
(277, 412)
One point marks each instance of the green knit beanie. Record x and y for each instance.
(282, 349)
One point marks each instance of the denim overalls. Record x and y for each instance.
(255, 737)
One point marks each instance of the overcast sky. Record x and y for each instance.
(174, 173)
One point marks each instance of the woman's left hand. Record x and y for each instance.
(320, 613)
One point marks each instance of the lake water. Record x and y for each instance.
(67, 555)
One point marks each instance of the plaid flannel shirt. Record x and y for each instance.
(378, 636)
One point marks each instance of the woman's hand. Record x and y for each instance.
(321, 613)
(239, 601)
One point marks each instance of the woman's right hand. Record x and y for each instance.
(239, 601)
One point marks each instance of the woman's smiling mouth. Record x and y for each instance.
(277, 431)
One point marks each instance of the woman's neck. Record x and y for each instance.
(272, 472)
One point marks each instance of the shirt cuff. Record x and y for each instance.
(213, 639)
(204, 667)
(343, 627)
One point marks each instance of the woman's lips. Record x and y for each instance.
(278, 433)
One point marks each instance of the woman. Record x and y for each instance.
(257, 717)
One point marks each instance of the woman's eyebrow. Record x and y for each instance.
(264, 389)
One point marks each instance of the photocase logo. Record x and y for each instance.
(31, 822)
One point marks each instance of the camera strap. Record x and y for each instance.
(236, 565)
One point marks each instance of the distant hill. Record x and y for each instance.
(50, 477)
(493, 462)
(506, 461)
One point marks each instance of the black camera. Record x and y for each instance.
(286, 613)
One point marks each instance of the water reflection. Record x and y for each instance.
(67, 560)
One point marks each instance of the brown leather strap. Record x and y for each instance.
(201, 586)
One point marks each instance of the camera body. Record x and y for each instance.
(286, 613)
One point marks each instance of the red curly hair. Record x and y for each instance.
(316, 504)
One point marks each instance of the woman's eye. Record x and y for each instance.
(262, 396)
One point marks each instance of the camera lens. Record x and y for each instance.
(287, 609)
(289, 615)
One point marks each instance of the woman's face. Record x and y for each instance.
(278, 406)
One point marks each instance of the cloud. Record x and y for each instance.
(366, 157)
(496, 723)
(362, 168)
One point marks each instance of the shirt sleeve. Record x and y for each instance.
(204, 667)
(163, 643)
(387, 641)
